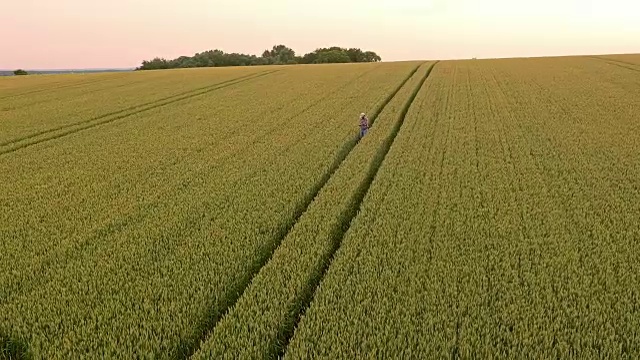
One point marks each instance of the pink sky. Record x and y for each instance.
(55, 34)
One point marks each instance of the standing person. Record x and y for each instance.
(364, 125)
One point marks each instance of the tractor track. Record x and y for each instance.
(193, 347)
(62, 131)
(131, 108)
(618, 63)
(616, 60)
(356, 204)
(84, 93)
(58, 86)
(135, 217)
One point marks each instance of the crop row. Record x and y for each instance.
(134, 237)
(260, 323)
(503, 223)
(100, 96)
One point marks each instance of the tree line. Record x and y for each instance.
(278, 55)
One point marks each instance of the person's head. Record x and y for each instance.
(362, 115)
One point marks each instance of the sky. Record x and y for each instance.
(66, 34)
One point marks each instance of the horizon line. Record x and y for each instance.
(451, 59)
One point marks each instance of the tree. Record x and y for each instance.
(155, 64)
(266, 57)
(356, 55)
(370, 56)
(278, 55)
(309, 58)
(20, 72)
(336, 54)
(181, 62)
(333, 56)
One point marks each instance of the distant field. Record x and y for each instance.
(491, 211)
(633, 59)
